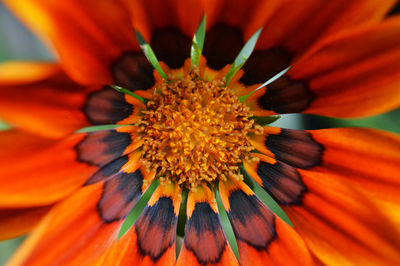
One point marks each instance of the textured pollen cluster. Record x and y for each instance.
(195, 131)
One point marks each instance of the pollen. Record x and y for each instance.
(195, 131)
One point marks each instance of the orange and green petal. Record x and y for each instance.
(345, 196)
(262, 237)
(83, 33)
(151, 241)
(204, 241)
(40, 98)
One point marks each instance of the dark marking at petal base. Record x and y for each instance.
(263, 65)
(296, 148)
(101, 147)
(221, 46)
(286, 95)
(156, 229)
(133, 71)
(108, 171)
(282, 182)
(171, 46)
(120, 195)
(252, 222)
(204, 235)
(107, 106)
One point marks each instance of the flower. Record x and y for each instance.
(194, 125)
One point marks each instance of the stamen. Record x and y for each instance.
(196, 131)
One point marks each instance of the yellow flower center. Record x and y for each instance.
(195, 131)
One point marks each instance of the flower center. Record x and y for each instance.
(195, 131)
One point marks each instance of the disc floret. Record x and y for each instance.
(195, 131)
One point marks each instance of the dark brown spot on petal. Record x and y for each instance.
(282, 182)
(204, 235)
(108, 171)
(171, 46)
(286, 95)
(252, 222)
(101, 147)
(296, 148)
(107, 106)
(156, 229)
(133, 71)
(120, 195)
(221, 46)
(263, 65)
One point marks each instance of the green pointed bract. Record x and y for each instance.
(244, 54)
(280, 74)
(98, 128)
(148, 52)
(125, 91)
(138, 209)
(198, 42)
(265, 120)
(226, 225)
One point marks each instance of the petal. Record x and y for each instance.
(121, 193)
(17, 222)
(344, 72)
(204, 241)
(169, 27)
(73, 233)
(151, 241)
(344, 196)
(42, 177)
(339, 76)
(108, 106)
(93, 23)
(102, 147)
(295, 26)
(133, 71)
(19, 144)
(262, 237)
(40, 98)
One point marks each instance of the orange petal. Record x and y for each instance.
(168, 26)
(338, 187)
(151, 15)
(297, 25)
(344, 71)
(285, 35)
(40, 98)
(18, 144)
(73, 233)
(234, 12)
(151, 241)
(82, 32)
(370, 163)
(204, 242)
(43, 177)
(17, 222)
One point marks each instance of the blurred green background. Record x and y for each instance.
(17, 43)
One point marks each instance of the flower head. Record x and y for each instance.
(174, 99)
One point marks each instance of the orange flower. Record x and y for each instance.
(193, 126)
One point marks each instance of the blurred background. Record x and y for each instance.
(17, 43)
